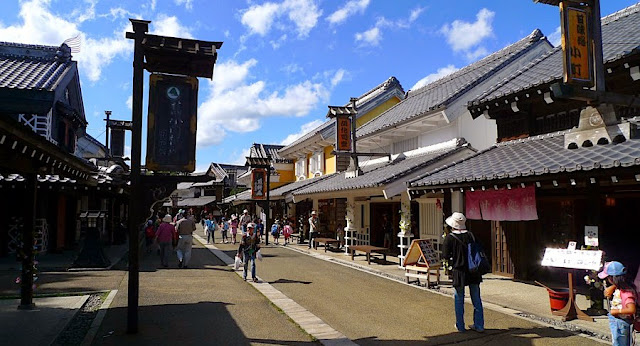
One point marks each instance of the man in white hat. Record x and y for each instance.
(245, 219)
(455, 251)
(313, 227)
(185, 228)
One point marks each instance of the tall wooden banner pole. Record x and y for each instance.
(26, 284)
(140, 27)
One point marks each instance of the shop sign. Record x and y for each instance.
(171, 140)
(502, 205)
(574, 259)
(343, 133)
(576, 44)
(117, 142)
(258, 183)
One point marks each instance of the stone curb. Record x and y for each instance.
(97, 321)
(310, 323)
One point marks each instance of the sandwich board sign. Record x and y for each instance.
(422, 253)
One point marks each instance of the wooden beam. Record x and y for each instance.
(565, 91)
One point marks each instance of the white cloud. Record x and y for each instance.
(40, 26)
(337, 77)
(303, 14)
(292, 68)
(370, 37)
(169, 26)
(259, 18)
(556, 38)
(304, 129)
(464, 36)
(373, 36)
(238, 104)
(188, 4)
(88, 13)
(443, 71)
(129, 102)
(350, 8)
(239, 158)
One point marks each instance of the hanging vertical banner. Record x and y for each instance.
(117, 142)
(343, 133)
(258, 183)
(171, 139)
(576, 44)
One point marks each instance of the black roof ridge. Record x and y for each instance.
(533, 138)
(480, 99)
(627, 11)
(535, 36)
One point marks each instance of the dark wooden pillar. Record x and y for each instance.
(26, 288)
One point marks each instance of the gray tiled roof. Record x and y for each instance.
(533, 156)
(101, 178)
(285, 189)
(381, 174)
(620, 37)
(262, 150)
(443, 91)
(326, 128)
(241, 196)
(24, 66)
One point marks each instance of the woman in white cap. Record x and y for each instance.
(249, 246)
(455, 250)
(164, 238)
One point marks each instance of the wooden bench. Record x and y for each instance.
(298, 237)
(326, 241)
(422, 272)
(368, 249)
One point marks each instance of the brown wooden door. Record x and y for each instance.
(502, 258)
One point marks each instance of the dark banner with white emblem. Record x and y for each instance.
(171, 139)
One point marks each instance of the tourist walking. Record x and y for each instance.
(248, 249)
(388, 231)
(210, 230)
(623, 298)
(275, 231)
(224, 229)
(185, 228)
(259, 228)
(455, 251)
(313, 227)
(234, 228)
(164, 238)
(245, 219)
(287, 230)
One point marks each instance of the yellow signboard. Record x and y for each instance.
(576, 45)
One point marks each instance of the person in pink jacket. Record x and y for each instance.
(164, 237)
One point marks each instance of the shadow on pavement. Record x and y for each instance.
(287, 281)
(511, 336)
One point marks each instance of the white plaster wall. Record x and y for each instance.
(439, 135)
(481, 133)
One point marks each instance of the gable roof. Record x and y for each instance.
(364, 104)
(620, 38)
(263, 150)
(440, 93)
(532, 156)
(377, 175)
(27, 66)
(285, 189)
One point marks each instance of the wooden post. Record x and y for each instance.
(28, 229)
(571, 310)
(140, 27)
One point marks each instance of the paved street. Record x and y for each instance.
(205, 304)
(371, 310)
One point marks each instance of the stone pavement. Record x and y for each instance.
(39, 326)
(517, 297)
(204, 304)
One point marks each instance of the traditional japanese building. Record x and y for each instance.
(431, 127)
(559, 167)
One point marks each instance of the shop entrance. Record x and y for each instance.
(377, 231)
(502, 261)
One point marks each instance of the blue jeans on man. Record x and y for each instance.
(620, 331)
(246, 260)
(478, 314)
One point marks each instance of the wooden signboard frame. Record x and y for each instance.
(571, 310)
(422, 258)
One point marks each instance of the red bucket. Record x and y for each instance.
(558, 298)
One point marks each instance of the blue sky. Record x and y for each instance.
(283, 61)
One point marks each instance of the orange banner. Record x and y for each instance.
(343, 133)
(576, 46)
